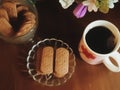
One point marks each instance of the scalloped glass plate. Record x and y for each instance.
(49, 80)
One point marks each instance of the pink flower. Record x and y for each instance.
(80, 11)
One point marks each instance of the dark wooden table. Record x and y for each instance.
(55, 22)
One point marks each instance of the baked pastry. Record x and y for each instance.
(29, 15)
(19, 18)
(11, 9)
(22, 8)
(5, 27)
(3, 13)
(27, 24)
(34, 62)
(46, 66)
(61, 62)
(50, 61)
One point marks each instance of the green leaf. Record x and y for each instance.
(97, 3)
(103, 6)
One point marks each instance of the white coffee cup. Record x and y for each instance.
(91, 56)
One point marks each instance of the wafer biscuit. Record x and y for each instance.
(61, 62)
(46, 66)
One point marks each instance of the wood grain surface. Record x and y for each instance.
(55, 22)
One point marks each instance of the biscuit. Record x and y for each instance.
(5, 27)
(29, 15)
(11, 9)
(3, 13)
(22, 8)
(27, 24)
(19, 18)
(38, 57)
(61, 62)
(25, 28)
(46, 66)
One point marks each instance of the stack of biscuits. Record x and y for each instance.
(16, 19)
(53, 61)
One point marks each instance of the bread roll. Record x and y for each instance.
(61, 62)
(46, 66)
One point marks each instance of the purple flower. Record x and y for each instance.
(80, 11)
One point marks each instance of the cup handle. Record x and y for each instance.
(107, 62)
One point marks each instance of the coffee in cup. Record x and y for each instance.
(100, 40)
(99, 43)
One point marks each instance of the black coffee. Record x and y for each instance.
(101, 40)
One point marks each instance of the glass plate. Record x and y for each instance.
(49, 80)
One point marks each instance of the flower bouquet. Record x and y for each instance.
(88, 5)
